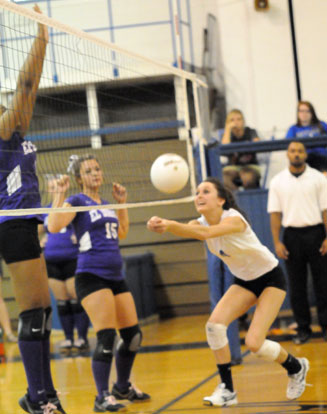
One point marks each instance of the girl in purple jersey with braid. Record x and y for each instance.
(60, 252)
(19, 243)
(99, 280)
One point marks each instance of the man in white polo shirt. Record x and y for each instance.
(297, 200)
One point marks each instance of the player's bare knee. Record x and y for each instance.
(253, 343)
(216, 335)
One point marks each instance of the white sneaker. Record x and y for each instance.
(221, 397)
(66, 344)
(296, 384)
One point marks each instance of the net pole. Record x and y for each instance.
(200, 128)
(177, 30)
(189, 146)
(93, 113)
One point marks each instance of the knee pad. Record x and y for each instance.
(105, 344)
(216, 335)
(76, 306)
(269, 350)
(31, 325)
(64, 307)
(130, 340)
(48, 321)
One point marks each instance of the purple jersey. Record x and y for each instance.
(97, 235)
(19, 186)
(60, 246)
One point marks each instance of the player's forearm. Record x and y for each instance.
(187, 230)
(226, 138)
(31, 71)
(123, 222)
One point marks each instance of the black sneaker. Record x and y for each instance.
(236, 361)
(81, 344)
(132, 393)
(107, 403)
(324, 333)
(40, 407)
(302, 336)
(53, 399)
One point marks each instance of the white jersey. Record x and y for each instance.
(242, 252)
(300, 199)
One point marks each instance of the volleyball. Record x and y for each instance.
(169, 173)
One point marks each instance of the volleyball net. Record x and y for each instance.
(98, 99)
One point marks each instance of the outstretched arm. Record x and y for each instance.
(19, 112)
(197, 231)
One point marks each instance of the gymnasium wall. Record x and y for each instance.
(256, 47)
(257, 64)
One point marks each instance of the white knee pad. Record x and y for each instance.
(269, 350)
(216, 335)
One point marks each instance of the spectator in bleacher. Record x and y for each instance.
(298, 201)
(307, 126)
(242, 169)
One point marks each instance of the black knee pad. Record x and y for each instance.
(31, 325)
(130, 340)
(64, 307)
(76, 306)
(105, 344)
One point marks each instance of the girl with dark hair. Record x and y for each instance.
(307, 126)
(259, 281)
(19, 242)
(99, 279)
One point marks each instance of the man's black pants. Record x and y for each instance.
(303, 245)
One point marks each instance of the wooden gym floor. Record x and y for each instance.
(177, 369)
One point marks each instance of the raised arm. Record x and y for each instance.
(57, 221)
(19, 112)
(120, 195)
(226, 138)
(197, 231)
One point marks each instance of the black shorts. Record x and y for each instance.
(19, 240)
(275, 278)
(61, 270)
(87, 283)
